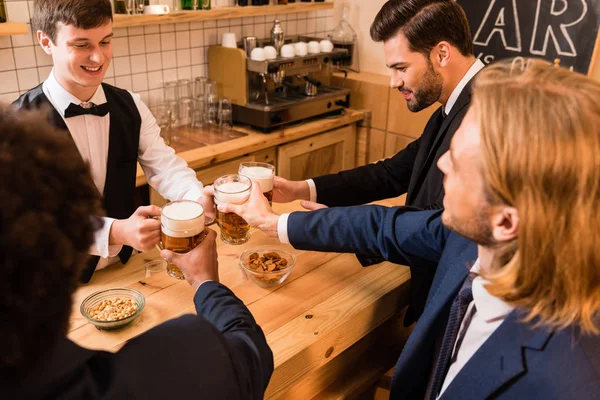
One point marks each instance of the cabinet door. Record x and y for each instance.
(321, 154)
(207, 175)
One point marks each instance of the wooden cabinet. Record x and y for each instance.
(324, 153)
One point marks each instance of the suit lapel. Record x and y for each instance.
(499, 360)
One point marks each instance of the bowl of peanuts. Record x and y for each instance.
(267, 266)
(113, 308)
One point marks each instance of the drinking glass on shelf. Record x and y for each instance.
(175, 120)
(211, 89)
(184, 89)
(186, 106)
(199, 89)
(139, 6)
(211, 116)
(225, 114)
(170, 92)
(130, 6)
(198, 113)
(162, 114)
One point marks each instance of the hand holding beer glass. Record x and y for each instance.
(261, 173)
(232, 189)
(181, 229)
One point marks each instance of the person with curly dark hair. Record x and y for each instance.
(47, 223)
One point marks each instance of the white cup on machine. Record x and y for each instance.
(229, 40)
(156, 9)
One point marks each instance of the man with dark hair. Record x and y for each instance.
(46, 200)
(112, 128)
(429, 50)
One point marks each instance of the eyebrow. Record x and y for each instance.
(398, 64)
(87, 39)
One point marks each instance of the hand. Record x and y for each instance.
(285, 191)
(256, 211)
(312, 206)
(208, 202)
(200, 264)
(140, 231)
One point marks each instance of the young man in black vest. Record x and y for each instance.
(112, 128)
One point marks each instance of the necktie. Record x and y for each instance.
(75, 110)
(457, 312)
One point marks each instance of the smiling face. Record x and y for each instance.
(412, 74)
(81, 57)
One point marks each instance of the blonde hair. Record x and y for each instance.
(540, 130)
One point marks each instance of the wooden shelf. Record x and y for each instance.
(122, 21)
(12, 28)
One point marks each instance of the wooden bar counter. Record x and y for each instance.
(334, 326)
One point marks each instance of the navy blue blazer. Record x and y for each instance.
(517, 362)
(219, 354)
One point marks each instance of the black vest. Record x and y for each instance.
(124, 137)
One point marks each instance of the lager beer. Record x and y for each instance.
(233, 189)
(181, 229)
(261, 173)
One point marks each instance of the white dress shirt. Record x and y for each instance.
(473, 70)
(165, 172)
(489, 315)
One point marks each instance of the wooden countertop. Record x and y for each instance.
(327, 305)
(253, 141)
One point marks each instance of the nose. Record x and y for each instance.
(443, 162)
(396, 80)
(96, 56)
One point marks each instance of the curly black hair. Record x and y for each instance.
(47, 206)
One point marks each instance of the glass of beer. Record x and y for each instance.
(261, 173)
(181, 229)
(233, 189)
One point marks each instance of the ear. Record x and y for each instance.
(45, 42)
(442, 54)
(505, 223)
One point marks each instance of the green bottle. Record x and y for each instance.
(2, 11)
(205, 4)
(187, 4)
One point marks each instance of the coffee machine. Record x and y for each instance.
(271, 93)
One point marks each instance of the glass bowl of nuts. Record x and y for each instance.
(267, 266)
(113, 308)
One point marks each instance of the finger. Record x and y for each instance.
(311, 205)
(168, 256)
(208, 191)
(230, 208)
(278, 181)
(148, 211)
(148, 225)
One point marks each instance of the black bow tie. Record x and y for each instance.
(74, 110)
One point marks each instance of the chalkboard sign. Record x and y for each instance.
(550, 29)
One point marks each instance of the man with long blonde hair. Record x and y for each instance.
(514, 308)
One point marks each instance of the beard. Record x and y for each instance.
(428, 92)
(476, 228)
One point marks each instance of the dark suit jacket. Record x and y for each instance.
(414, 171)
(219, 354)
(518, 361)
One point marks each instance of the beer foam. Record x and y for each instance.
(232, 192)
(263, 176)
(182, 219)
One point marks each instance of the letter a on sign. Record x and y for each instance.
(501, 19)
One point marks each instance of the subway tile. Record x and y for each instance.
(23, 40)
(150, 29)
(310, 26)
(119, 32)
(124, 82)
(156, 97)
(110, 70)
(7, 61)
(24, 57)
(302, 15)
(8, 98)
(311, 15)
(169, 75)
(248, 30)
(248, 21)
(235, 21)
(122, 66)
(197, 38)
(120, 47)
(321, 13)
(139, 82)
(135, 31)
(154, 61)
(152, 43)
(220, 32)
(301, 27)
(260, 31)
(210, 37)
(137, 45)
(110, 81)
(138, 64)
(17, 11)
(167, 28)
(196, 25)
(5, 42)
(210, 24)
(182, 40)
(259, 20)
(155, 80)
(44, 73)
(182, 26)
(183, 58)
(320, 25)
(167, 41)
(197, 55)
(292, 16)
(144, 95)
(237, 30)
(280, 17)
(292, 28)
(223, 23)
(330, 24)
(28, 78)
(184, 73)
(8, 82)
(169, 59)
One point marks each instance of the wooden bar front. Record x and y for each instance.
(333, 326)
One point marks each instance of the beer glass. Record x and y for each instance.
(233, 189)
(261, 173)
(181, 229)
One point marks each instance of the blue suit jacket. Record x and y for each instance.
(517, 362)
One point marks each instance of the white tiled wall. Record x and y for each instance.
(144, 57)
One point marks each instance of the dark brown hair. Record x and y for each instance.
(425, 23)
(47, 205)
(83, 14)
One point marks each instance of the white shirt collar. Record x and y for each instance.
(61, 98)
(490, 307)
(475, 68)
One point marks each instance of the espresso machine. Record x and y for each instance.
(274, 92)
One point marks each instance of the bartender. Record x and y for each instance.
(111, 127)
